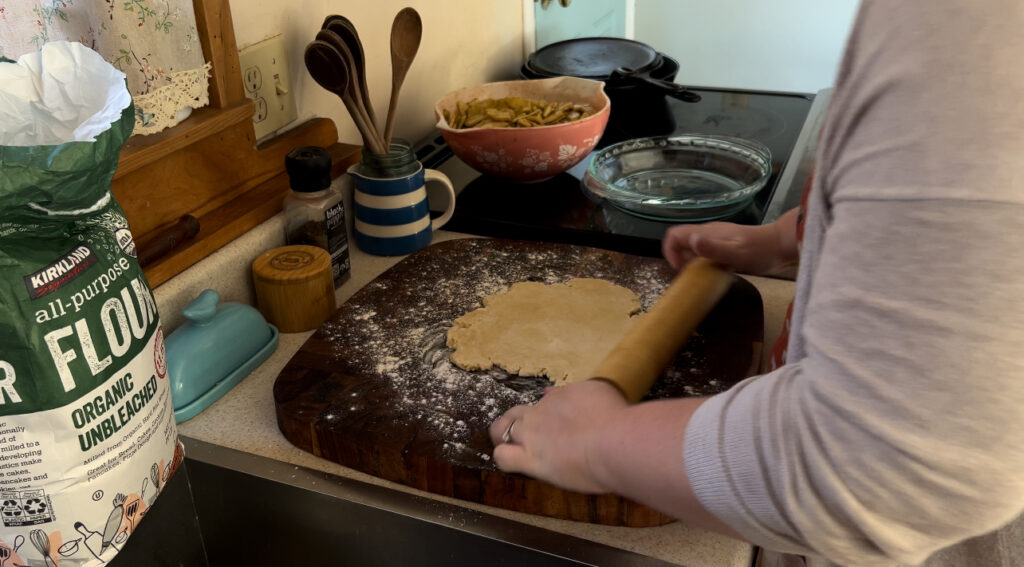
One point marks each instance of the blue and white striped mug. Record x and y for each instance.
(392, 215)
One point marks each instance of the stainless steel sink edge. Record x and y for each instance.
(417, 507)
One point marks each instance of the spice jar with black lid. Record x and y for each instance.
(314, 210)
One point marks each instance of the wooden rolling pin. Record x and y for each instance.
(639, 358)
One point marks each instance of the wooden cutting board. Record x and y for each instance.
(373, 389)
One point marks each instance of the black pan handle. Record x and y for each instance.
(671, 89)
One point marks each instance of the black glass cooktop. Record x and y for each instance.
(558, 210)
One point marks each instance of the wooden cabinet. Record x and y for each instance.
(210, 166)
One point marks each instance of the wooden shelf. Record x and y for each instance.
(223, 181)
(209, 165)
(233, 218)
(141, 151)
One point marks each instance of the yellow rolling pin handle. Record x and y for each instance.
(639, 358)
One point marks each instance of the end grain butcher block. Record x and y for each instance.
(374, 390)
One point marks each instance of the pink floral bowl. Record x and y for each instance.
(527, 155)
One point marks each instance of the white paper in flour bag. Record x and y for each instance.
(87, 434)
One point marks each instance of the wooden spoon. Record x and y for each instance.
(344, 29)
(354, 90)
(334, 18)
(328, 69)
(406, 32)
(637, 361)
(331, 38)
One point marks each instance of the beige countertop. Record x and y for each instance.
(244, 419)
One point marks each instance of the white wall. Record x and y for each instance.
(783, 45)
(583, 18)
(465, 42)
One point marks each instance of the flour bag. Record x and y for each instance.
(87, 434)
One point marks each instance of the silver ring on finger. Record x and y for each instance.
(507, 436)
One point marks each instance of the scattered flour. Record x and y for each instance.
(400, 347)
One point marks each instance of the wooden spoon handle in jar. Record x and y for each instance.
(639, 358)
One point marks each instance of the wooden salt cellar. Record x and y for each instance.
(294, 287)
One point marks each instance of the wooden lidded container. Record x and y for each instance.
(294, 287)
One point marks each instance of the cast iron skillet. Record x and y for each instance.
(617, 61)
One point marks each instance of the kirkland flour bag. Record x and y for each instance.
(87, 435)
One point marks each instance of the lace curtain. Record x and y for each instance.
(153, 42)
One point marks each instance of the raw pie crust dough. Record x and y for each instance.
(561, 331)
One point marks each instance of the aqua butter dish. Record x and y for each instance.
(218, 346)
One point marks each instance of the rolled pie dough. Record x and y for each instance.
(561, 331)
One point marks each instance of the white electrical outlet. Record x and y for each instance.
(268, 84)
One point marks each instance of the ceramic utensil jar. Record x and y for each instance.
(392, 214)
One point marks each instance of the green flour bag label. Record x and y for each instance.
(87, 433)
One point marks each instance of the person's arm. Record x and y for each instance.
(899, 430)
(602, 444)
(749, 249)
(898, 434)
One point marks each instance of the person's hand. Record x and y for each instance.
(743, 248)
(554, 440)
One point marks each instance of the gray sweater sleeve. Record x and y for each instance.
(897, 428)
(900, 430)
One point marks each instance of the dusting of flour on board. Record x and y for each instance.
(402, 351)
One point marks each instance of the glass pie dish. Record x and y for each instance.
(680, 178)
